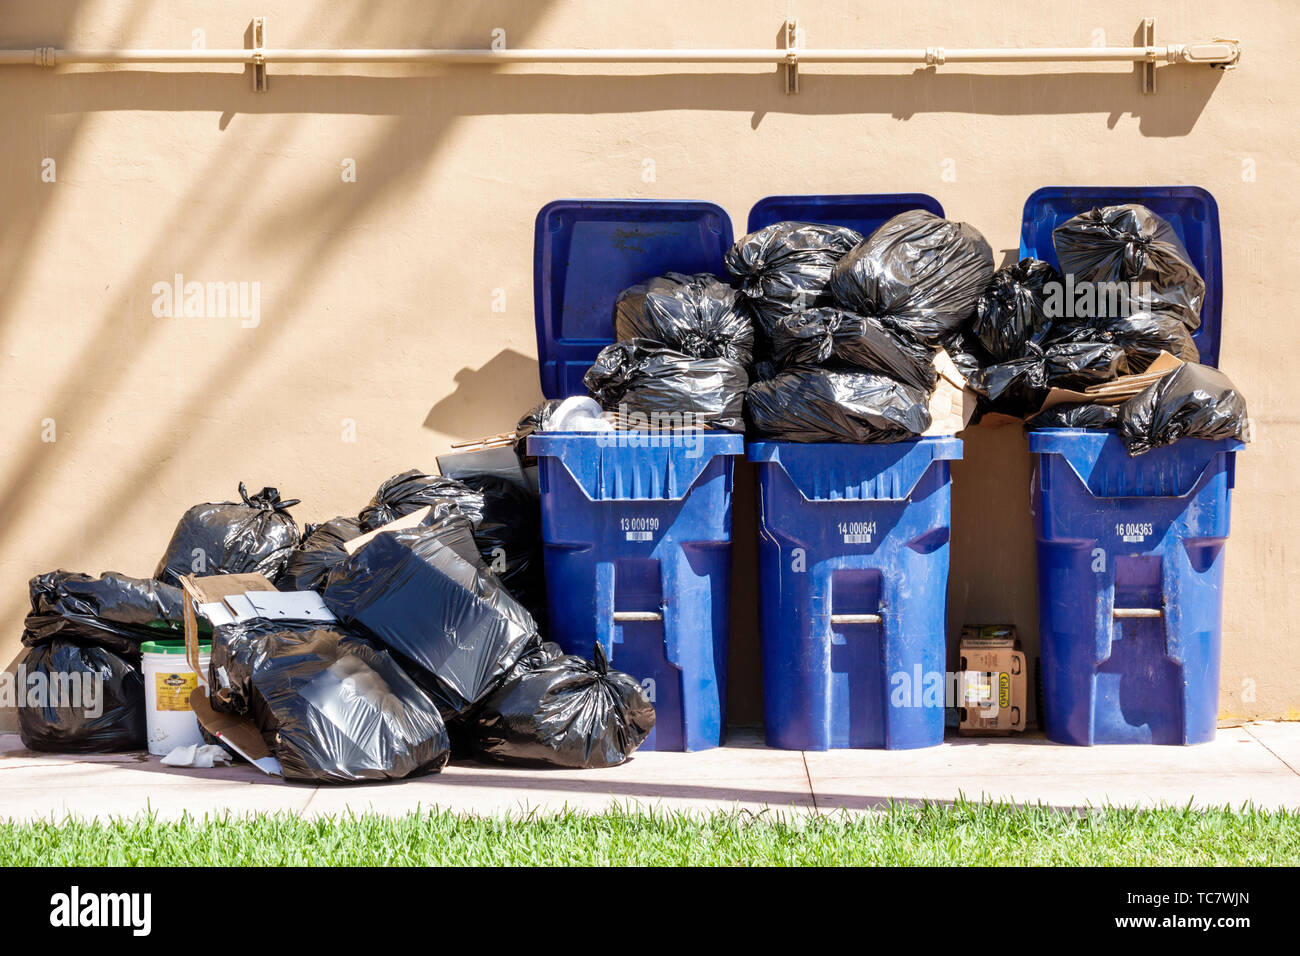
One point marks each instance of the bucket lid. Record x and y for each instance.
(170, 645)
(587, 251)
(864, 212)
(1190, 210)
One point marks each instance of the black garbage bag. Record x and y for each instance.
(640, 377)
(919, 274)
(697, 315)
(785, 267)
(450, 620)
(320, 550)
(1131, 244)
(509, 538)
(826, 405)
(831, 336)
(1142, 335)
(536, 419)
(1192, 401)
(1011, 311)
(560, 710)
(1018, 387)
(331, 707)
(1077, 416)
(232, 537)
(79, 698)
(111, 610)
(412, 490)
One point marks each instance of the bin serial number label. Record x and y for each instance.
(639, 529)
(1133, 532)
(857, 532)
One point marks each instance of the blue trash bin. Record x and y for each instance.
(1130, 550)
(853, 561)
(853, 571)
(636, 527)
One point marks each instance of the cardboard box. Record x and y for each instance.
(994, 684)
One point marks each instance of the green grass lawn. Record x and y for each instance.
(903, 834)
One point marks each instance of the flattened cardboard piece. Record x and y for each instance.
(238, 733)
(952, 402)
(994, 682)
(407, 521)
(1117, 391)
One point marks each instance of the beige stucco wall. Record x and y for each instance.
(377, 295)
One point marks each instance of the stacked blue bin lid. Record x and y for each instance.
(587, 251)
(1191, 211)
(863, 213)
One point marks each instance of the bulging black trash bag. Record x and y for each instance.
(825, 405)
(412, 490)
(86, 700)
(698, 315)
(561, 710)
(331, 707)
(641, 377)
(1192, 401)
(919, 274)
(785, 267)
(112, 610)
(450, 620)
(320, 550)
(1131, 244)
(1077, 416)
(232, 537)
(1011, 311)
(836, 337)
(509, 537)
(1142, 335)
(1018, 387)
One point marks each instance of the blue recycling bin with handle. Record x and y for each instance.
(853, 561)
(636, 526)
(1131, 550)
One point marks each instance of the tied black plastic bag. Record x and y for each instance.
(1192, 401)
(320, 550)
(449, 619)
(785, 267)
(823, 405)
(830, 335)
(919, 274)
(112, 610)
(1077, 416)
(561, 710)
(1142, 336)
(412, 490)
(332, 708)
(698, 315)
(509, 537)
(1018, 387)
(641, 378)
(1130, 244)
(1011, 311)
(967, 354)
(232, 537)
(80, 699)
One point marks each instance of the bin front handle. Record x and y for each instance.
(638, 616)
(1138, 612)
(856, 619)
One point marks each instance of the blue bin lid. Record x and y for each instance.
(1191, 211)
(864, 213)
(587, 251)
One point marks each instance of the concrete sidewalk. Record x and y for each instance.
(1258, 763)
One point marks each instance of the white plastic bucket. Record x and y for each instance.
(168, 680)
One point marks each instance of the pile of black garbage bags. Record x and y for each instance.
(436, 649)
(822, 335)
